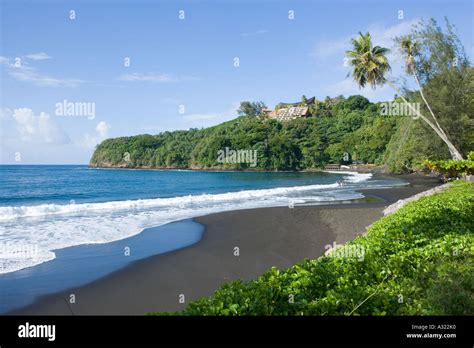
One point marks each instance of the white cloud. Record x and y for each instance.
(155, 77)
(5, 113)
(38, 56)
(381, 36)
(101, 132)
(38, 139)
(102, 129)
(33, 128)
(27, 73)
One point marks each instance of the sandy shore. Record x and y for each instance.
(264, 237)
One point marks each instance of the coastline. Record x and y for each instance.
(265, 237)
(369, 168)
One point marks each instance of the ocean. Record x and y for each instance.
(66, 225)
(44, 208)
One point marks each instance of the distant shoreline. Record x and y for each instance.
(360, 169)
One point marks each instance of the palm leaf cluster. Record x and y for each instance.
(370, 64)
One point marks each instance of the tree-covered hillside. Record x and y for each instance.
(353, 126)
(339, 131)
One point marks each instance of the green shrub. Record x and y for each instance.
(453, 168)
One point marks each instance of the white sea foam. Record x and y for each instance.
(352, 176)
(48, 227)
(8, 213)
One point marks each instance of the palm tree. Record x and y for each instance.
(370, 63)
(410, 50)
(370, 66)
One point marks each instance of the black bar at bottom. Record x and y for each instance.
(134, 330)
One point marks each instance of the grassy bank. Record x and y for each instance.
(418, 261)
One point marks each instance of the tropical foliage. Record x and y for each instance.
(353, 126)
(453, 168)
(447, 80)
(251, 108)
(370, 66)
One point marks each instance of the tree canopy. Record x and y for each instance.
(251, 108)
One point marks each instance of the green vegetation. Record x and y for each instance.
(418, 261)
(251, 108)
(441, 69)
(453, 168)
(352, 125)
(425, 50)
(340, 129)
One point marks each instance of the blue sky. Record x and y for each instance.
(173, 62)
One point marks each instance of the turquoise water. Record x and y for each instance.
(46, 208)
(34, 185)
(63, 226)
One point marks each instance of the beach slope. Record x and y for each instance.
(236, 245)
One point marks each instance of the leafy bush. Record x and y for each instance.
(453, 168)
(418, 261)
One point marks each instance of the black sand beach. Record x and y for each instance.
(265, 237)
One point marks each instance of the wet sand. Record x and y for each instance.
(264, 237)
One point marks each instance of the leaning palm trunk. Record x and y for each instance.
(452, 150)
(455, 154)
(426, 103)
